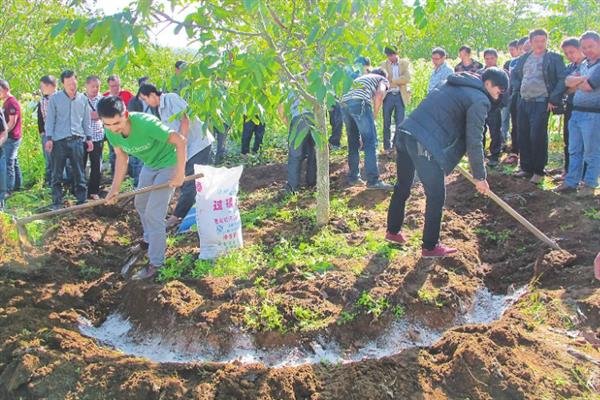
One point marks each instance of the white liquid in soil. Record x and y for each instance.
(119, 333)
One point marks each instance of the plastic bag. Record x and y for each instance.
(217, 213)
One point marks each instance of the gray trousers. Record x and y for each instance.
(152, 208)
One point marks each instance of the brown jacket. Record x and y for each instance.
(402, 81)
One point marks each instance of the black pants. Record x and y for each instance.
(409, 158)
(300, 148)
(221, 143)
(95, 166)
(392, 104)
(251, 128)
(533, 136)
(336, 119)
(68, 149)
(514, 129)
(188, 189)
(493, 124)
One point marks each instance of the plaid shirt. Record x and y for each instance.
(96, 126)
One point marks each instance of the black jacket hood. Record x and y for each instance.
(466, 79)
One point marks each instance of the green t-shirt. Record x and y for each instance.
(146, 141)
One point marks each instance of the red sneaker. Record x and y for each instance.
(438, 251)
(397, 238)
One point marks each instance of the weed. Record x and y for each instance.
(592, 213)
(345, 317)
(264, 317)
(376, 307)
(580, 376)
(89, 272)
(174, 268)
(201, 268)
(126, 241)
(492, 236)
(399, 311)
(309, 320)
(547, 184)
(430, 296)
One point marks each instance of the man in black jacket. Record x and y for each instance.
(433, 139)
(538, 78)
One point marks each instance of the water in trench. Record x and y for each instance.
(118, 332)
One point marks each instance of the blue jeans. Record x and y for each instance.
(584, 147)
(134, 168)
(392, 104)
(70, 149)
(3, 177)
(358, 117)
(13, 170)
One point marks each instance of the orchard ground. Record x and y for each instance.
(298, 288)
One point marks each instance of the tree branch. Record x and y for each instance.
(168, 18)
(282, 62)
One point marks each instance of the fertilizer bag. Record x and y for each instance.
(217, 214)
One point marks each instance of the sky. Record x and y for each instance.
(161, 35)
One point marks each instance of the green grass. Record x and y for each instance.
(493, 236)
(309, 320)
(266, 316)
(430, 296)
(592, 213)
(175, 267)
(373, 306)
(345, 317)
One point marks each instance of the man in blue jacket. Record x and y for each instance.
(447, 125)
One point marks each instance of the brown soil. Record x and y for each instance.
(533, 352)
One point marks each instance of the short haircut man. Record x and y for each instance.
(537, 32)
(490, 52)
(92, 78)
(113, 78)
(66, 74)
(48, 80)
(513, 43)
(466, 49)
(570, 42)
(439, 51)
(434, 138)
(163, 152)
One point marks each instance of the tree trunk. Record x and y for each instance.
(322, 166)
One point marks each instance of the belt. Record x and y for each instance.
(536, 100)
(586, 109)
(71, 138)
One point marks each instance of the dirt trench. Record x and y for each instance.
(536, 350)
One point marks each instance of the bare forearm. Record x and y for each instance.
(121, 164)
(185, 126)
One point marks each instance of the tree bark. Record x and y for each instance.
(322, 166)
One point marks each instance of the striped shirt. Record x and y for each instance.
(96, 125)
(364, 87)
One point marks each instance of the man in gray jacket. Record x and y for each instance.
(433, 139)
(67, 127)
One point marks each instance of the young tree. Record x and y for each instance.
(251, 53)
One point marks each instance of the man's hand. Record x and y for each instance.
(483, 187)
(177, 180)
(551, 107)
(48, 146)
(111, 197)
(90, 146)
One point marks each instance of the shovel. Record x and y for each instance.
(513, 213)
(20, 223)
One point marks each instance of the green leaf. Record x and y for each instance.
(116, 32)
(58, 28)
(313, 34)
(250, 5)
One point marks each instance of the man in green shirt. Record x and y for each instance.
(163, 152)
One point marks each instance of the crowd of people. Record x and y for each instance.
(152, 138)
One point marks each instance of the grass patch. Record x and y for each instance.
(592, 213)
(430, 296)
(373, 306)
(493, 236)
(266, 316)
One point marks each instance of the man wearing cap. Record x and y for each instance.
(397, 96)
(432, 140)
